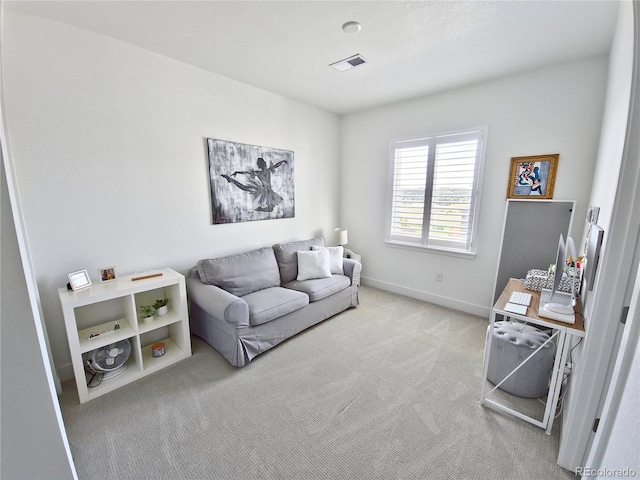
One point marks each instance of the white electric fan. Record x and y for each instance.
(110, 359)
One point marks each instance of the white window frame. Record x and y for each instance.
(423, 243)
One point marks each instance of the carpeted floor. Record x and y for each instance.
(388, 390)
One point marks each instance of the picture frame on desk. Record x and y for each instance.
(107, 274)
(79, 280)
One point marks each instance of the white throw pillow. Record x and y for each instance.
(336, 255)
(313, 264)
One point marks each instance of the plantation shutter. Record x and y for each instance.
(453, 194)
(409, 184)
(433, 194)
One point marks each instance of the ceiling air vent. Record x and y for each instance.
(348, 63)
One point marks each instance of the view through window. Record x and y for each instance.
(433, 198)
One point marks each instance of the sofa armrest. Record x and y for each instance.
(352, 269)
(218, 303)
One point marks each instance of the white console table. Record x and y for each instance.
(562, 333)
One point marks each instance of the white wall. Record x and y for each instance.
(551, 110)
(623, 450)
(614, 190)
(617, 442)
(109, 146)
(604, 190)
(32, 438)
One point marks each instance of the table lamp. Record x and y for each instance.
(343, 236)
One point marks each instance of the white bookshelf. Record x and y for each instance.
(96, 309)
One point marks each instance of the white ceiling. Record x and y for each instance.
(413, 47)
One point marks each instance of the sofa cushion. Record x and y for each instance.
(286, 255)
(242, 273)
(271, 303)
(313, 264)
(336, 257)
(320, 288)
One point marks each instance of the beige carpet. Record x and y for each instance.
(389, 390)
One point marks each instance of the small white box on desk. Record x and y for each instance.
(516, 308)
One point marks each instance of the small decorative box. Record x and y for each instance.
(540, 279)
(157, 349)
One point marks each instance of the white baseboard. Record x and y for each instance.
(466, 307)
(65, 372)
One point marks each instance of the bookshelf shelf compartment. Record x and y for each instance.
(91, 315)
(104, 334)
(172, 352)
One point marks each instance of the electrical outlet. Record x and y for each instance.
(438, 276)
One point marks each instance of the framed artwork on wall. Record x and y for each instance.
(533, 177)
(249, 182)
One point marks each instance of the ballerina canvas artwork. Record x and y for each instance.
(249, 182)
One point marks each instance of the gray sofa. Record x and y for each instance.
(245, 304)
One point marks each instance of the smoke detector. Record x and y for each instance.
(347, 63)
(351, 27)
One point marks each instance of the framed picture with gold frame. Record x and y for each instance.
(533, 177)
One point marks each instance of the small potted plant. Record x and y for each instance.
(147, 312)
(161, 307)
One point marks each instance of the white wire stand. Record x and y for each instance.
(562, 333)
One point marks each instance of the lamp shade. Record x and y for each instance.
(343, 237)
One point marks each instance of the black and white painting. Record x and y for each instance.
(249, 182)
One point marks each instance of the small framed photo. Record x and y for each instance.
(533, 177)
(107, 274)
(79, 280)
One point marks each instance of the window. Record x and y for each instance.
(434, 190)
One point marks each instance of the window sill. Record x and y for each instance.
(427, 249)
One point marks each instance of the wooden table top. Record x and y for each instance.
(516, 285)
